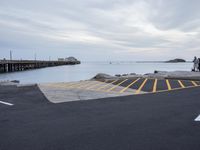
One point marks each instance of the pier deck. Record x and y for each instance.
(21, 65)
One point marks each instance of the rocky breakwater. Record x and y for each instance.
(180, 75)
(183, 75)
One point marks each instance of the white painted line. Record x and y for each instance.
(6, 103)
(198, 118)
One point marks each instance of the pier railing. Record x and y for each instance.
(21, 65)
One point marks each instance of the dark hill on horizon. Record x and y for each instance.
(177, 60)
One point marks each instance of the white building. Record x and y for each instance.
(61, 59)
(71, 59)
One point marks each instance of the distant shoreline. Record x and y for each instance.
(161, 62)
(130, 62)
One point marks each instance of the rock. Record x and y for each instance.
(118, 75)
(146, 74)
(125, 75)
(177, 60)
(9, 83)
(132, 74)
(160, 72)
(182, 75)
(15, 81)
(103, 76)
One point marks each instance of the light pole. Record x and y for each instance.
(10, 55)
(35, 55)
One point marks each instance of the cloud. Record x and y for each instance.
(100, 29)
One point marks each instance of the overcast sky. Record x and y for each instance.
(100, 29)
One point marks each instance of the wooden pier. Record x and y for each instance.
(22, 65)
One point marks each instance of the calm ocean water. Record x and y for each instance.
(88, 70)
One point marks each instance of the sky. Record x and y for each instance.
(100, 30)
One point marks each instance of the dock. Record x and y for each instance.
(22, 65)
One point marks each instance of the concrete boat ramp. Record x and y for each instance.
(94, 89)
(83, 90)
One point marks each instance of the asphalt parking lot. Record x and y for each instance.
(158, 120)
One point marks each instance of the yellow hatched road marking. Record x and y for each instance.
(60, 85)
(69, 84)
(78, 84)
(129, 85)
(74, 84)
(194, 83)
(106, 85)
(168, 85)
(181, 84)
(155, 85)
(95, 85)
(141, 86)
(116, 85)
(89, 83)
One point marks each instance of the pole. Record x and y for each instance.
(35, 56)
(10, 55)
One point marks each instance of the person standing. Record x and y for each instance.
(196, 64)
(199, 64)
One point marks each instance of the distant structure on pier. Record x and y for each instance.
(70, 59)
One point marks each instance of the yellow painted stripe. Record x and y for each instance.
(141, 86)
(194, 83)
(181, 84)
(174, 89)
(168, 85)
(129, 85)
(95, 85)
(62, 85)
(67, 85)
(155, 85)
(78, 84)
(86, 84)
(74, 84)
(106, 85)
(116, 85)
